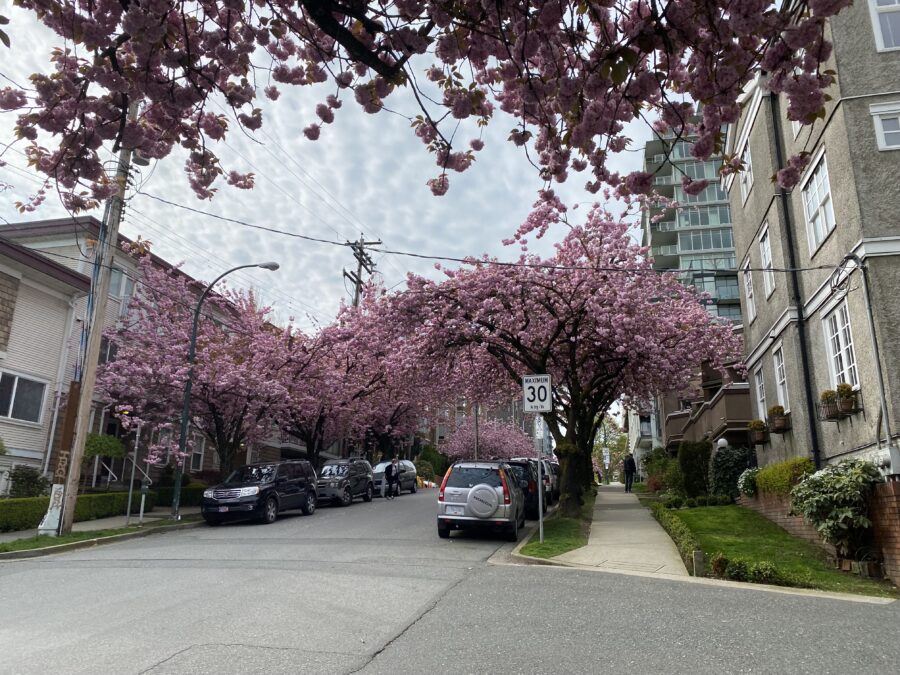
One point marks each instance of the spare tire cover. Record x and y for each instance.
(483, 501)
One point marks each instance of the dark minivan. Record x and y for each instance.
(261, 491)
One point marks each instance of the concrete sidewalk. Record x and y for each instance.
(624, 536)
(111, 523)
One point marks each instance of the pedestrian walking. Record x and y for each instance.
(392, 477)
(630, 469)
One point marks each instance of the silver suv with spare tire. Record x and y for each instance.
(481, 495)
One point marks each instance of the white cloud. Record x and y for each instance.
(373, 166)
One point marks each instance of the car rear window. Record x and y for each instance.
(469, 476)
(520, 471)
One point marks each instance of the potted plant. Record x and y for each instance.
(759, 434)
(846, 398)
(829, 399)
(778, 420)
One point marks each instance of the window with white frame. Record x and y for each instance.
(887, 124)
(748, 292)
(817, 205)
(839, 339)
(765, 251)
(886, 23)
(746, 175)
(199, 445)
(760, 392)
(21, 398)
(781, 388)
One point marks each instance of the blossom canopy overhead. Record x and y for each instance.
(570, 74)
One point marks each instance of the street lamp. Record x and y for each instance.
(185, 409)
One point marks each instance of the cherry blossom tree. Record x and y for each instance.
(236, 390)
(569, 74)
(496, 440)
(595, 316)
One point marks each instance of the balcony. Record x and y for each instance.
(291, 441)
(670, 249)
(726, 415)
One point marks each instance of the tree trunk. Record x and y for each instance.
(570, 482)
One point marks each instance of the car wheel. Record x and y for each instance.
(370, 492)
(346, 497)
(309, 507)
(270, 511)
(512, 534)
(443, 531)
(212, 521)
(412, 490)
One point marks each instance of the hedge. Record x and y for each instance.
(190, 495)
(779, 478)
(681, 534)
(26, 513)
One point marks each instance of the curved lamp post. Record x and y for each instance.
(185, 409)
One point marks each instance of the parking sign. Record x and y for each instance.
(536, 393)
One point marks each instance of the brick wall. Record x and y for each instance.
(884, 510)
(776, 509)
(885, 514)
(9, 290)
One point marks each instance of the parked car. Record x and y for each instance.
(526, 471)
(261, 491)
(546, 477)
(341, 480)
(554, 467)
(481, 495)
(551, 479)
(407, 476)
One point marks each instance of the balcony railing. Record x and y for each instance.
(670, 249)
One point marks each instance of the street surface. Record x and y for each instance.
(371, 589)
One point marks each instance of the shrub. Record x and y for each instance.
(26, 481)
(424, 469)
(656, 462)
(690, 502)
(776, 411)
(725, 467)
(190, 496)
(168, 477)
(693, 459)
(439, 462)
(674, 502)
(102, 445)
(737, 569)
(746, 482)
(673, 479)
(703, 501)
(725, 500)
(654, 484)
(718, 563)
(779, 478)
(680, 533)
(26, 513)
(835, 501)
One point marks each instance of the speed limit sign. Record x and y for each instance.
(536, 393)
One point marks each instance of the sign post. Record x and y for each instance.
(537, 395)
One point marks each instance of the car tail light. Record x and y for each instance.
(532, 486)
(506, 498)
(444, 484)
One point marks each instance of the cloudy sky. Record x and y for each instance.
(365, 174)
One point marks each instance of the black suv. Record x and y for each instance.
(261, 491)
(340, 480)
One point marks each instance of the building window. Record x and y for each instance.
(886, 23)
(21, 398)
(887, 124)
(746, 175)
(197, 452)
(817, 205)
(781, 379)
(840, 346)
(706, 240)
(729, 312)
(748, 292)
(765, 251)
(108, 351)
(760, 393)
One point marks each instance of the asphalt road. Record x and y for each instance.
(371, 589)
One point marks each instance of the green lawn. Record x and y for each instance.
(562, 534)
(738, 532)
(44, 541)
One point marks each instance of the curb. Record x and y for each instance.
(90, 543)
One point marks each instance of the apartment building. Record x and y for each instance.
(820, 264)
(696, 238)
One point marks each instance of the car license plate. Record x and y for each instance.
(455, 510)
(223, 509)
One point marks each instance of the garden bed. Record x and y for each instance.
(562, 535)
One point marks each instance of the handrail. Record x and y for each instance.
(111, 476)
(146, 475)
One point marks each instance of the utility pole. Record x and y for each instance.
(64, 496)
(363, 262)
